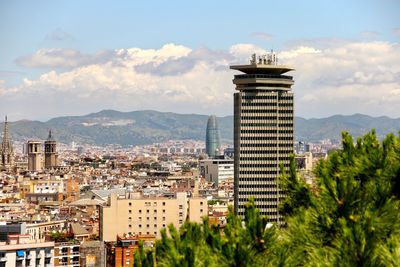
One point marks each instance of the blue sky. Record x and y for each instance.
(42, 37)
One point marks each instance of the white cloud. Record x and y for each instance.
(262, 35)
(346, 78)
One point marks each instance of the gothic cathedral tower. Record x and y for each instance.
(6, 150)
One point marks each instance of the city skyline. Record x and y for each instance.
(76, 59)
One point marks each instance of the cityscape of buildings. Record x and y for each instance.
(82, 205)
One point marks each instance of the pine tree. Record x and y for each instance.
(349, 218)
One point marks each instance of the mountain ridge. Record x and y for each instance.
(148, 126)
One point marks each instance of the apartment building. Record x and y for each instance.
(138, 215)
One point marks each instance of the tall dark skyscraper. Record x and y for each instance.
(213, 144)
(263, 133)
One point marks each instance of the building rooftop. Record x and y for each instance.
(265, 64)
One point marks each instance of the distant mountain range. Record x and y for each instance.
(148, 126)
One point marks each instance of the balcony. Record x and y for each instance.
(38, 255)
(263, 76)
(3, 259)
(48, 254)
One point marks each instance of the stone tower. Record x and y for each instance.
(50, 152)
(35, 162)
(6, 150)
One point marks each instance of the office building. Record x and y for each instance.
(213, 144)
(263, 133)
(216, 170)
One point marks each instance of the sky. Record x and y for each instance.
(61, 58)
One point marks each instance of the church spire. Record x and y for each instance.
(6, 149)
(6, 138)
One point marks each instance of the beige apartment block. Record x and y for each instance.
(138, 215)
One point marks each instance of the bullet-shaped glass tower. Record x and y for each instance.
(263, 133)
(213, 144)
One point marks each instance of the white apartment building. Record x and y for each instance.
(217, 170)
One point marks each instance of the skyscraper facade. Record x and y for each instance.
(213, 143)
(263, 133)
(6, 150)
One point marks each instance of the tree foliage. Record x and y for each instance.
(350, 217)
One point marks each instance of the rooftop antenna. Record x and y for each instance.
(253, 59)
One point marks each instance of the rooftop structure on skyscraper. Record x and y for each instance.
(213, 144)
(263, 133)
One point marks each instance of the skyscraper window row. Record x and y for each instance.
(271, 118)
(272, 151)
(261, 96)
(264, 172)
(264, 199)
(255, 193)
(254, 185)
(262, 138)
(268, 104)
(255, 145)
(266, 159)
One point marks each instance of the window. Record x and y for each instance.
(180, 214)
(140, 218)
(180, 221)
(148, 218)
(155, 218)
(140, 211)
(201, 210)
(155, 204)
(155, 225)
(148, 211)
(180, 206)
(130, 211)
(201, 202)
(140, 226)
(163, 203)
(155, 211)
(163, 225)
(130, 226)
(130, 203)
(163, 218)
(148, 225)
